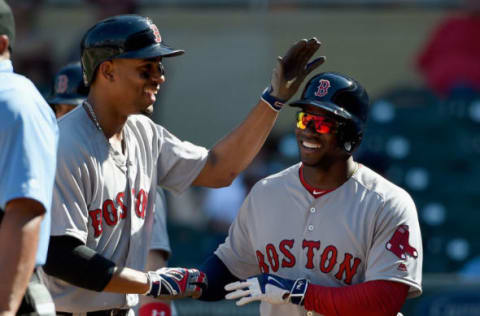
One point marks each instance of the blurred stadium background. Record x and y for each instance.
(427, 142)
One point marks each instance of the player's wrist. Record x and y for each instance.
(298, 291)
(273, 102)
(154, 284)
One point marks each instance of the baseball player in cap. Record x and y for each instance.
(326, 236)
(111, 159)
(28, 138)
(68, 89)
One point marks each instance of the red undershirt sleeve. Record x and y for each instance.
(372, 298)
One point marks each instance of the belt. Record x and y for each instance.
(107, 312)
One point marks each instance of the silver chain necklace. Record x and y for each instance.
(97, 124)
(93, 116)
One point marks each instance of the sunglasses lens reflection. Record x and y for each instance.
(322, 124)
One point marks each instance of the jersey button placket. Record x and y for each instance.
(311, 213)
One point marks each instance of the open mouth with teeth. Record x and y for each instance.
(151, 93)
(310, 145)
(151, 90)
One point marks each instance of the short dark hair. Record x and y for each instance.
(7, 22)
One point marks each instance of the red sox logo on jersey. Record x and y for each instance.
(329, 260)
(158, 37)
(399, 245)
(62, 84)
(323, 86)
(113, 211)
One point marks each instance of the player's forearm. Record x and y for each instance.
(69, 260)
(373, 298)
(18, 247)
(232, 154)
(218, 276)
(126, 280)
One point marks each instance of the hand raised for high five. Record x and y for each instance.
(291, 70)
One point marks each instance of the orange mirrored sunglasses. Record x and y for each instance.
(322, 124)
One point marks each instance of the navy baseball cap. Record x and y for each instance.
(7, 22)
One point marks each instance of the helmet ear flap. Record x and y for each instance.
(347, 146)
(349, 136)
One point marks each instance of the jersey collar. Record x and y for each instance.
(316, 193)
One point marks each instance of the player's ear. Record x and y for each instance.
(4, 42)
(107, 70)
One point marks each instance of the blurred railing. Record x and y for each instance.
(274, 3)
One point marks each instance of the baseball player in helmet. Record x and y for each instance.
(111, 159)
(326, 236)
(68, 89)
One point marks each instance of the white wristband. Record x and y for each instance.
(149, 284)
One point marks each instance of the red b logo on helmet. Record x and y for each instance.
(399, 245)
(323, 87)
(154, 28)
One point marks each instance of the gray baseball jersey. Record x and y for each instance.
(105, 198)
(366, 229)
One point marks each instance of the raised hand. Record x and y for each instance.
(173, 283)
(292, 68)
(268, 288)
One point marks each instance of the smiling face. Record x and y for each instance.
(135, 83)
(318, 149)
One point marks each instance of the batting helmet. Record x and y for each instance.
(122, 36)
(345, 98)
(68, 87)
